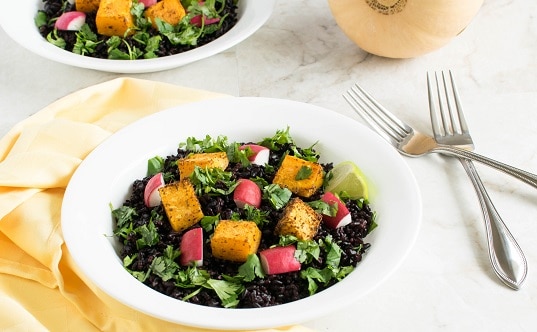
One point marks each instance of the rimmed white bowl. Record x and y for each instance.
(106, 175)
(17, 20)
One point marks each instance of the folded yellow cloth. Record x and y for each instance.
(39, 286)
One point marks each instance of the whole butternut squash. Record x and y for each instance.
(403, 28)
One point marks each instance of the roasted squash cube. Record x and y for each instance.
(286, 176)
(235, 240)
(87, 6)
(114, 18)
(203, 160)
(299, 219)
(181, 204)
(169, 11)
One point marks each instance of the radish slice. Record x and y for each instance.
(278, 260)
(196, 20)
(192, 247)
(260, 154)
(342, 217)
(247, 192)
(148, 3)
(71, 21)
(151, 194)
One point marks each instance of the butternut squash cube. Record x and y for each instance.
(299, 219)
(181, 204)
(203, 160)
(286, 176)
(170, 11)
(114, 17)
(235, 240)
(87, 6)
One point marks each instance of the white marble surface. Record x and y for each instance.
(446, 282)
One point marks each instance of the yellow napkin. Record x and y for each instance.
(40, 289)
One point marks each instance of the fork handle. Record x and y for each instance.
(506, 257)
(518, 173)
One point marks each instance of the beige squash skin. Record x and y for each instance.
(412, 28)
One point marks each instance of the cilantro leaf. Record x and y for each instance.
(303, 173)
(279, 139)
(212, 181)
(323, 207)
(277, 195)
(163, 268)
(155, 165)
(251, 269)
(227, 291)
(149, 235)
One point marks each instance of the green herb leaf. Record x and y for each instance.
(323, 207)
(124, 215)
(212, 181)
(303, 173)
(149, 235)
(56, 40)
(333, 250)
(164, 268)
(306, 251)
(279, 139)
(277, 195)
(256, 215)
(251, 269)
(227, 291)
(155, 165)
(41, 18)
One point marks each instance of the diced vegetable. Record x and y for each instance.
(203, 160)
(71, 21)
(151, 193)
(192, 247)
(114, 18)
(299, 219)
(148, 3)
(260, 154)
(300, 176)
(247, 192)
(342, 217)
(169, 11)
(197, 20)
(235, 240)
(278, 260)
(87, 6)
(181, 204)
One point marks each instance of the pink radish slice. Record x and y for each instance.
(342, 217)
(260, 154)
(247, 192)
(278, 260)
(196, 20)
(192, 247)
(148, 3)
(71, 21)
(151, 194)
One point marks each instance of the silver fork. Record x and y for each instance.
(450, 128)
(411, 142)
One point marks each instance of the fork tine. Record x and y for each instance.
(386, 124)
(435, 122)
(460, 114)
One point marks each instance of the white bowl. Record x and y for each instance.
(106, 175)
(17, 20)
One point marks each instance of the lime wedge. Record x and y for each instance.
(347, 177)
